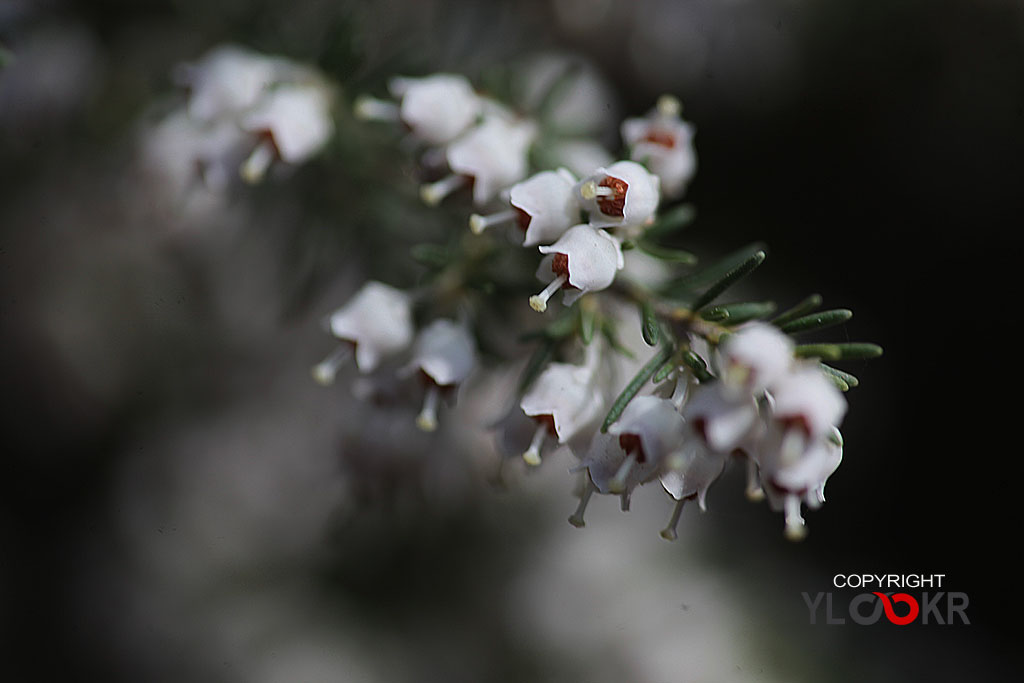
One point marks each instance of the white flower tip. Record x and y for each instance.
(532, 457)
(669, 105)
(426, 422)
(538, 303)
(795, 530)
(324, 373)
(577, 521)
(477, 224)
(669, 534)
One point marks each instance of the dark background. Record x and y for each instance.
(881, 161)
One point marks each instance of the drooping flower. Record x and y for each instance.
(492, 155)
(720, 418)
(624, 194)
(584, 259)
(436, 108)
(377, 322)
(649, 429)
(690, 472)
(444, 353)
(544, 206)
(564, 402)
(753, 358)
(293, 123)
(663, 142)
(229, 80)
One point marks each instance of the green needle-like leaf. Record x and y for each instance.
(685, 287)
(588, 320)
(845, 351)
(838, 381)
(817, 321)
(676, 218)
(696, 365)
(637, 383)
(430, 255)
(729, 279)
(609, 332)
(666, 253)
(665, 371)
(649, 327)
(846, 377)
(805, 306)
(734, 314)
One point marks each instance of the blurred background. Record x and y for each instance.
(182, 502)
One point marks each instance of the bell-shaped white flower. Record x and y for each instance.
(623, 194)
(564, 401)
(294, 123)
(614, 471)
(690, 472)
(583, 260)
(437, 108)
(663, 142)
(648, 430)
(544, 206)
(720, 418)
(753, 358)
(377, 321)
(806, 400)
(492, 155)
(445, 354)
(229, 80)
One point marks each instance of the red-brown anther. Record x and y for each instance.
(796, 422)
(659, 137)
(549, 422)
(631, 444)
(522, 218)
(614, 204)
(560, 266)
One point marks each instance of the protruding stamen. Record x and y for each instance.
(591, 190)
(795, 529)
(427, 419)
(680, 391)
(325, 371)
(255, 167)
(532, 454)
(478, 223)
(624, 501)
(539, 302)
(369, 108)
(433, 193)
(576, 519)
(754, 490)
(618, 482)
(669, 106)
(669, 532)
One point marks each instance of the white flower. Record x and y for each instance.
(690, 473)
(805, 399)
(377, 321)
(614, 471)
(585, 259)
(437, 108)
(568, 93)
(649, 428)
(493, 155)
(720, 418)
(564, 402)
(664, 143)
(445, 354)
(623, 194)
(229, 80)
(754, 358)
(295, 121)
(543, 206)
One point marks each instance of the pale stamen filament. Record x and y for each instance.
(532, 454)
(669, 532)
(576, 519)
(618, 482)
(539, 302)
(433, 193)
(427, 419)
(754, 490)
(371, 109)
(795, 529)
(478, 223)
(325, 371)
(591, 190)
(255, 167)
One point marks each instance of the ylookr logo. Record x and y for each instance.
(901, 609)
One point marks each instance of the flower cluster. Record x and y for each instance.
(244, 111)
(725, 382)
